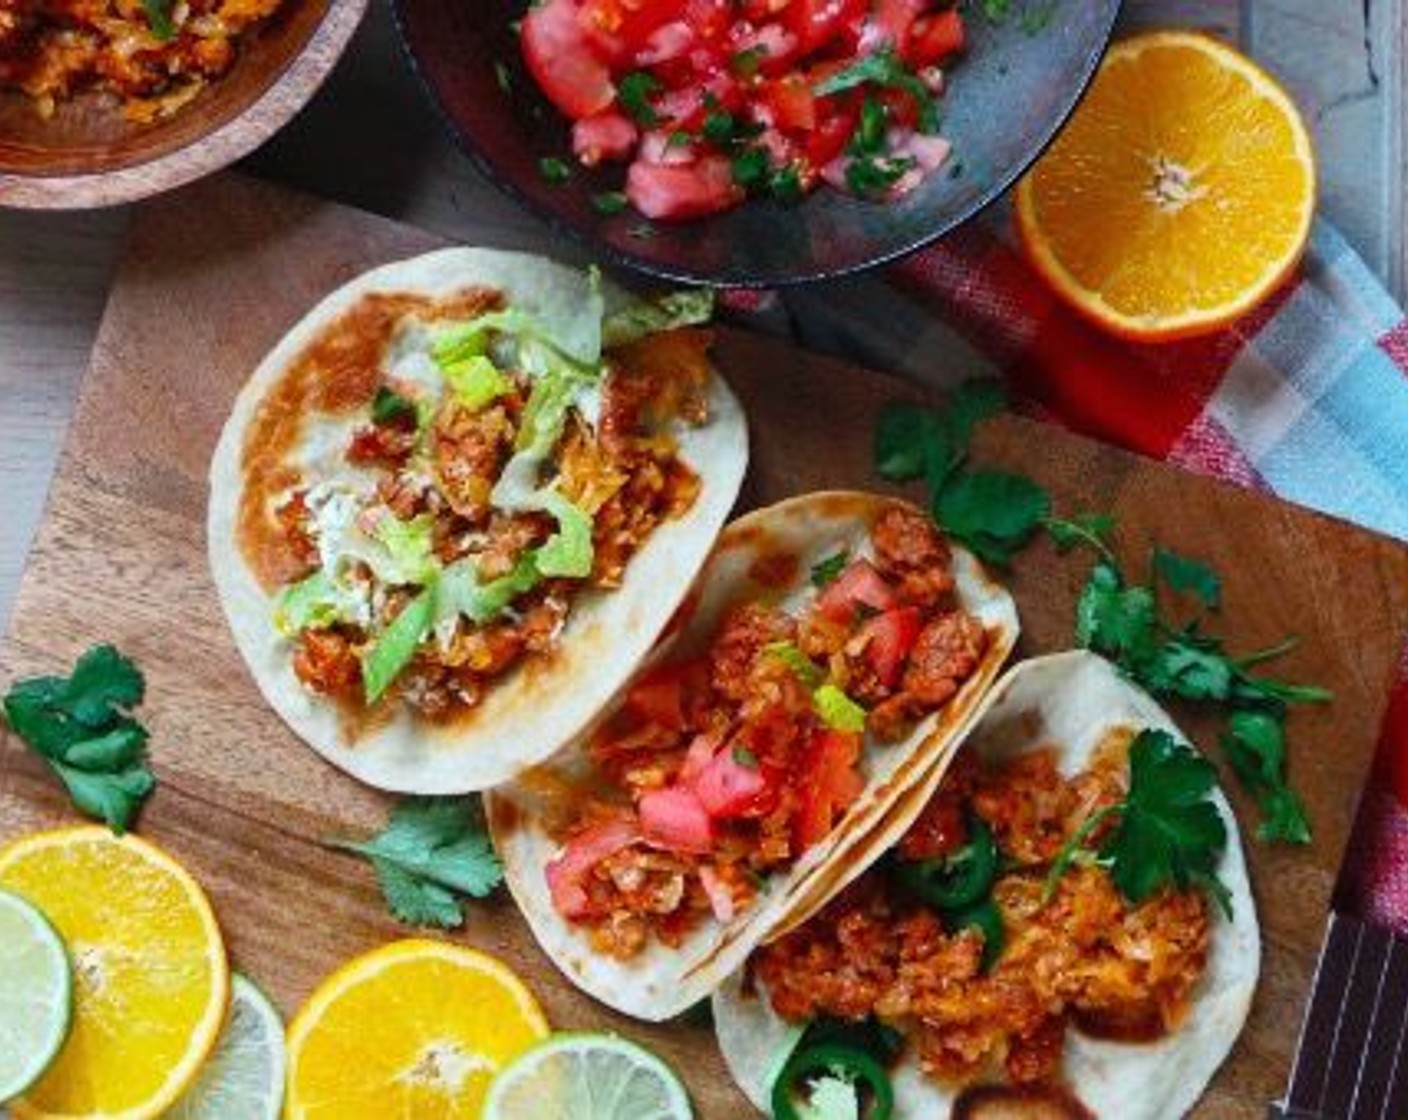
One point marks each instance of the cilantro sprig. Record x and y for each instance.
(997, 513)
(885, 70)
(433, 850)
(1169, 833)
(82, 726)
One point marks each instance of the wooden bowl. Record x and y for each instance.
(88, 154)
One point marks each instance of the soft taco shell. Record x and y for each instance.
(1070, 701)
(536, 708)
(765, 555)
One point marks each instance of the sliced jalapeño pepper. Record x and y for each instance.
(987, 920)
(835, 1060)
(959, 879)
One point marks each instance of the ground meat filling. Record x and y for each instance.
(629, 484)
(725, 764)
(1088, 958)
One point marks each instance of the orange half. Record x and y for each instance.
(1179, 195)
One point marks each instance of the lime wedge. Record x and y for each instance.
(36, 995)
(244, 1079)
(587, 1077)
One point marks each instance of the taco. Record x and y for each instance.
(1008, 957)
(832, 648)
(458, 503)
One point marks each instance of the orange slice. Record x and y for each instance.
(417, 1028)
(149, 975)
(1179, 195)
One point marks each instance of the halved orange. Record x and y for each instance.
(417, 1028)
(1179, 195)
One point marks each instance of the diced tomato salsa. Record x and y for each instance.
(710, 101)
(725, 768)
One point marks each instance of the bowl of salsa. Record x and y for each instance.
(755, 142)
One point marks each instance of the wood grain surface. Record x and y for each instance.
(212, 277)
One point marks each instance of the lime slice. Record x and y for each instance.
(244, 1079)
(36, 995)
(587, 1077)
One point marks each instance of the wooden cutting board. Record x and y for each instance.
(213, 276)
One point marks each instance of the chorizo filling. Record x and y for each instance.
(721, 770)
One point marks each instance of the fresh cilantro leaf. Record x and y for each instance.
(907, 439)
(554, 170)
(825, 572)
(718, 127)
(158, 14)
(81, 726)
(609, 202)
(433, 849)
(1265, 691)
(1114, 620)
(1255, 742)
(915, 442)
(1184, 574)
(633, 91)
(389, 407)
(884, 69)
(745, 758)
(1170, 834)
(786, 184)
(1194, 670)
(993, 512)
(869, 136)
(873, 175)
(750, 167)
(1091, 529)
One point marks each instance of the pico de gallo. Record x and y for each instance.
(720, 770)
(711, 101)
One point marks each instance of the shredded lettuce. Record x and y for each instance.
(406, 553)
(462, 593)
(837, 710)
(803, 667)
(646, 317)
(568, 552)
(476, 381)
(316, 603)
(397, 644)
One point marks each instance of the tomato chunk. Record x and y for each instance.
(888, 639)
(567, 872)
(728, 787)
(934, 37)
(675, 819)
(829, 785)
(859, 586)
(602, 136)
(563, 59)
(670, 192)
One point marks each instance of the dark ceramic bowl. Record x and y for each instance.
(1005, 101)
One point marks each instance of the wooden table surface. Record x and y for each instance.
(370, 138)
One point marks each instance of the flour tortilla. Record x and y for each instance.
(1069, 701)
(532, 711)
(661, 981)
